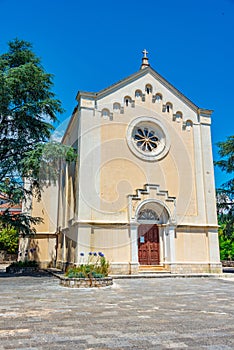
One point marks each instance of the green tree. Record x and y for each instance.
(28, 108)
(225, 199)
(9, 240)
(27, 105)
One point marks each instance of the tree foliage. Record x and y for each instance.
(9, 240)
(43, 164)
(226, 243)
(226, 151)
(225, 199)
(28, 108)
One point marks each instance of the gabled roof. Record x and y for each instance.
(13, 209)
(134, 77)
(9, 205)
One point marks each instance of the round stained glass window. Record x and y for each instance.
(148, 138)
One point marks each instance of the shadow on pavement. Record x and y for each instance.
(40, 273)
(228, 270)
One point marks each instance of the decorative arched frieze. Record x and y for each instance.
(168, 108)
(157, 98)
(178, 116)
(148, 89)
(188, 125)
(138, 94)
(105, 113)
(127, 101)
(116, 107)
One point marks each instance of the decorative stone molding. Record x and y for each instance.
(151, 195)
(204, 116)
(146, 190)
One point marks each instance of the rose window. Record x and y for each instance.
(146, 139)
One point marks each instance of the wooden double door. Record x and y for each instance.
(148, 245)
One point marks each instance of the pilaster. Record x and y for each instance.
(134, 264)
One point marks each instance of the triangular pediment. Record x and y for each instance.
(133, 78)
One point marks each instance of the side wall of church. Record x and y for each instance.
(43, 242)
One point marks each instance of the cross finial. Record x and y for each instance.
(145, 60)
(145, 53)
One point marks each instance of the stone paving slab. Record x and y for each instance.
(179, 313)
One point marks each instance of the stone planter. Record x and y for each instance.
(227, 263)
(85, 282)
(6, 257)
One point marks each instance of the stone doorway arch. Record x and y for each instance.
(150, 215)
(152, 206)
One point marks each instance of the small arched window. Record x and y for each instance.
(138, 94)
(148, 89)
(116, 107)
(105, 113)
(127, 101)
(168, 107)
(158, 98)
(178, 116)
(188, 125)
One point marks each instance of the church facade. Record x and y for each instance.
(142, 190)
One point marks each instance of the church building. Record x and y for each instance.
(142, 189)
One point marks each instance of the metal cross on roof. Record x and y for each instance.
(145, 53)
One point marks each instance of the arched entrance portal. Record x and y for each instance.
(151, 216)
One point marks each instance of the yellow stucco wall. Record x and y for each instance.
(191, 245)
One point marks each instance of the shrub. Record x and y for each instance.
(226, 248)
(96, 266)
(26, 263)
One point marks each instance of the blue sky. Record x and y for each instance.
(91, 45)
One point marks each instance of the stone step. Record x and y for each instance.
(144, 269)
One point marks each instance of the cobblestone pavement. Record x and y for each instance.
(178, 313)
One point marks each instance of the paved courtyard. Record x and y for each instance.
(178, 313)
